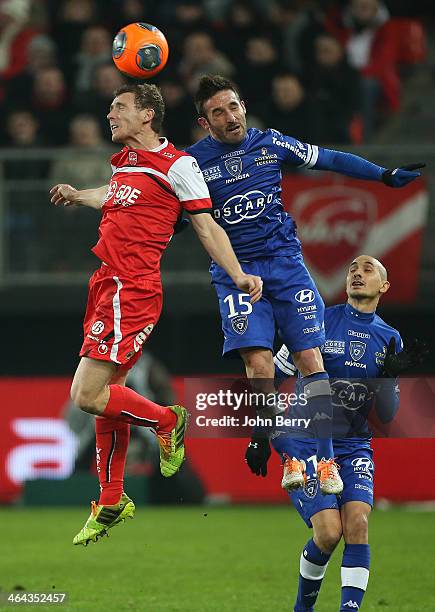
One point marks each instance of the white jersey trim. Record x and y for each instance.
(163, 144)
(143, 170)
(312, 156)
(116, 321)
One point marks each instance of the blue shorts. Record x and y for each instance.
(290, 303)
(355, 459)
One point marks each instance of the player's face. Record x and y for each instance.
(365, 279)
(127, 122)
(225, 117)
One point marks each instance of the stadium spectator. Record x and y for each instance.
(335, 89)
(82, 164)
(241, 23)
(299, 22)
(365, 29)
(23, 200)
(131, 11)
(289, 109)
(22, 133)
(51, 105)
(70, 19)
(177, 105)
(41, 53)
(105, 80)
(200, 57)
(95, 50)
(258, 67)
(181, 18)
(15, 37)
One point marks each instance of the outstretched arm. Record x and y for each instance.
(68, 195)
(358, 167)
(218, 246)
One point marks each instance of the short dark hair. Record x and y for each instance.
(146, 95)
(209, 85)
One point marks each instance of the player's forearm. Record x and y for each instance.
(348, 164)
(218, 246)
(92, 198)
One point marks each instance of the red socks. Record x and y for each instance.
(112, 430)
(112, 439)
(128, 406)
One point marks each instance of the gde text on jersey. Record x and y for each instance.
(241, 207)
(126, 195)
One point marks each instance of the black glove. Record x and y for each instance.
(396, 364)
(257, 455)
(180, 225)
(399, 177)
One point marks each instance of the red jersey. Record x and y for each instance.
(147, 193)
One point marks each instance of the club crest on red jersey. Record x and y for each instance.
(132, 158)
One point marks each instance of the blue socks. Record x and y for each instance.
(354, 576)
(312, 570)
(319, 409)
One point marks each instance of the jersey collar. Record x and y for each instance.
(163, 144)
(357, 316)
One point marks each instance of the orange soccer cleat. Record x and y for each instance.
(329, 479)
(294, 475)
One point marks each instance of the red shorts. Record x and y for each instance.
(120, 315)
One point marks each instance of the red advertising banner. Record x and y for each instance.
(339, 218)
(36, 442)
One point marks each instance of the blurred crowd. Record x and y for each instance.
(322, 71)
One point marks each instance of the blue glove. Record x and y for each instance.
(399, 177)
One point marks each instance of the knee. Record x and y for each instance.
(84, 399)
(328, 538)
(356, 529)
(259, 364)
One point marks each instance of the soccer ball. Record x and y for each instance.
(140, 50)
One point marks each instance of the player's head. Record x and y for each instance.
(136, 109)
(366, 281)
(220, 109)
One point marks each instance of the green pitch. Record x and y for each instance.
(205, 560)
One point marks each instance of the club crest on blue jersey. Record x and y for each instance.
(310, 488)
(240, 324)
(234, 166)
(357, 349)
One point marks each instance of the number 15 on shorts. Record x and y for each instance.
(243, 307)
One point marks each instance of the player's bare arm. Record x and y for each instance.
(218, 246)
(66, 195)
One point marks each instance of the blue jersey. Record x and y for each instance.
(245, 187)
(353, 354)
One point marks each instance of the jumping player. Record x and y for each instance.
(360, 357)
(152, 183)
(242, 168)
